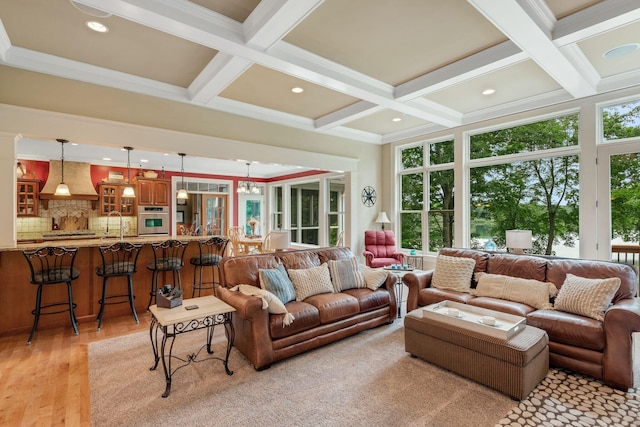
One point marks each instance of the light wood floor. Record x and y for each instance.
(47, 383)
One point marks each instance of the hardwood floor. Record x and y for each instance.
(47, 383)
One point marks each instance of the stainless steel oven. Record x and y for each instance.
(153, 220)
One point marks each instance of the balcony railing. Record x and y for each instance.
(627, 254)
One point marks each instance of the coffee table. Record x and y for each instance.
(511, 362)
(209, 312)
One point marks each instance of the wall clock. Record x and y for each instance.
(368, 196)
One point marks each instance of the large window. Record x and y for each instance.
(336, 214)
(426, 196)
(621, 121)
(526, 183)
(305, 213)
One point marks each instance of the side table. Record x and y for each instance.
(399, 273)
(172, 322)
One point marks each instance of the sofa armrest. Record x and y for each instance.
(251, 324)
(399, 256)
(247, 306)
(620, 322)
(368, 256)
(416, 281)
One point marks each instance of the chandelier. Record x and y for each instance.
(248, 187)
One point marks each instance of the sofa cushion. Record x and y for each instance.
(370, 300)
(333, 307)
(569, 329)
(374, 277)
(346, 274)
(528, 291)
(307, 317)
(453, 273)
(587, 297)
(481, 258)
(527, 267)
(276, 281)
(311, 281)
(502, 305)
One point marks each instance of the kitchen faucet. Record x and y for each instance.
(121, 224)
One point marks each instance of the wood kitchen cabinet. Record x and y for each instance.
(153, 192)
(28, 191)
(111, 200)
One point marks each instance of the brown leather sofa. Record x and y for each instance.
(319, 319)
(602, 350)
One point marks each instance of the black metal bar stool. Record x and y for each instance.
(211, 252)
(49, 266)
(167, 256)
(118, 260)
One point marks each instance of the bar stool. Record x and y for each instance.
(118, 260)
(211, 252)
(49, 266)
(167, 256)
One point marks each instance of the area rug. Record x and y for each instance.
(367, 379)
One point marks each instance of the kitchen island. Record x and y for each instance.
(19, 295)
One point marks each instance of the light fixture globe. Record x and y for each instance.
(248, 187)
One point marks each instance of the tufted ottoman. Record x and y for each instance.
(511, 366)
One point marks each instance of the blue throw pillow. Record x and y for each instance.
(276, 281)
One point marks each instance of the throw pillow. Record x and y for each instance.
(346, 274)
(374, 277)
(276, 281)
(586, 297)
(527, 291)
(269, 302)
(311, 281)
(454, 273)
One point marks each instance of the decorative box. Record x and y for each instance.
(168, 300)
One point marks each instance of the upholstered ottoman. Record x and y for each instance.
(511, 366)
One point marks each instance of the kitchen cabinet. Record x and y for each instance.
(153, 192)
(27, 197)
(111, 200)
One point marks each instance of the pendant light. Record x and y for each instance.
(62, 189)
(182, 193)
(247, 187)
(128, 191)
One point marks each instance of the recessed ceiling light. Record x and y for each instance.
(144, 160)
(488, 91)
(621, 50)
(396, 119)
(97, 26)
(106, 158)
(297, 90)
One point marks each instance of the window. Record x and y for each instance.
(621, 121)
(305, 213)
(277, 210)
(336, 214)
(434, 181)
(526, 181)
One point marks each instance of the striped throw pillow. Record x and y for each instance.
(586, 297)
(311, 281)
(346, 274)
(276, 281)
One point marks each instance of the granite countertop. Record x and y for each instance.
(95, 241)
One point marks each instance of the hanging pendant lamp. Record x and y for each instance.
(182, 193)
(128, 191)
(62, 189)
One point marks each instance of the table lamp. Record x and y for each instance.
(280, 240)
(519, 240)
(382, 219)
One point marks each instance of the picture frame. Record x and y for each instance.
(180, 217)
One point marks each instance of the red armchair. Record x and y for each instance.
(380, 248)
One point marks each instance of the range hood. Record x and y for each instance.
(77, 175)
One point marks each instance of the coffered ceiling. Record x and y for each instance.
(371, 70)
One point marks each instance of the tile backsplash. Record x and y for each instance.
(73, 215)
